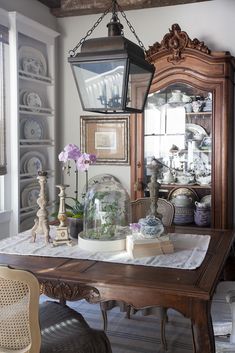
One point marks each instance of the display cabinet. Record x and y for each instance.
(33, 116)
(188, 127)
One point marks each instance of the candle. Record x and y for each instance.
(104, 91)
(115, 91)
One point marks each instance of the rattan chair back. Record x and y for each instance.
(140, 208)
(19, 305)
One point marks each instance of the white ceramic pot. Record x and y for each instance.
(176, 96)
(204, 180)
(184, 179)
(182, 201)
(168, 177)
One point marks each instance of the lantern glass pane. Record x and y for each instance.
(138, 83)
(100, 83)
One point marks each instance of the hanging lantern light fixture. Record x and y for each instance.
(111, 74)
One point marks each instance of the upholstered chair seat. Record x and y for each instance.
(63, 330)
(26, 327)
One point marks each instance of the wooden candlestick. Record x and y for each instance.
(41, 223)
(154, 187)
(62, 234)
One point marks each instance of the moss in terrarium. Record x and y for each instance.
(106, 211)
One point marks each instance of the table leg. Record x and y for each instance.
(104, 309)
(202, 330)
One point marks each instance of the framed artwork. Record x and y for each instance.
(107, 137)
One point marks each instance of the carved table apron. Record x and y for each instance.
(188, 291)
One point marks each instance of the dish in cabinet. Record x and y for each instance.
(32, 161)
(21, 95)
(206, 199)
(33, 129)
(29, 195)
(195, 132)
(206, 143)
(33, 101)
(33, 165)
(32, 61)
(183, 191)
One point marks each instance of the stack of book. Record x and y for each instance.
(148, 247)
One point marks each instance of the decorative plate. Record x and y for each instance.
(99, 179)
(206, 143)
(31, 155)
(183, 191)
(33, 129)
(29, 195)
(33, 165)
(32, 196)
(32, 61)
(32, 100)
(206, 199)
(196, 131)
(23, 92)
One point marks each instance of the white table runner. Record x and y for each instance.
(190, 251)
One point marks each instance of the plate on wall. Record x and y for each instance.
(33, 129)
(29, 195)
(33, 165)
(22, 94)
(32, 160)
(32, 61)
(32, 100)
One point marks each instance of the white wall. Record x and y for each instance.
(210, 21)
(32, 9)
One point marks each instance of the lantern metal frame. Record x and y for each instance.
(122, 57)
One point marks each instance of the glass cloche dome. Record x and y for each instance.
(107, 211)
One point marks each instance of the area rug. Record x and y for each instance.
(141, 334)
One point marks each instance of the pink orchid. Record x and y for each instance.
(84, 161)
(63, 156)
(92, 158)
(70, 152)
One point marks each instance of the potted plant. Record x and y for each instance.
(74, 210)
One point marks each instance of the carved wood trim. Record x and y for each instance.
(64, 291)
(175, 43)
(63, 8)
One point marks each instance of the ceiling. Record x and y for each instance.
(63, 8)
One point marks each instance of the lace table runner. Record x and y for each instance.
(190, 251)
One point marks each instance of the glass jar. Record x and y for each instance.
(107, 211)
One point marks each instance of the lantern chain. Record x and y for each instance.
(73, 51)
(115, 4)
(131, 27)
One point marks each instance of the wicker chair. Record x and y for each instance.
(141, 207)
(61, 329)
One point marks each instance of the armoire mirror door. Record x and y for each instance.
(187, 126)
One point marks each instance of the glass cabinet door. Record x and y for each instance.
(188, 125)
(178, 133)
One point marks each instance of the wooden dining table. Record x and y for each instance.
(188, 291)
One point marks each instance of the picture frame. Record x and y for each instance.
(107, 137)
